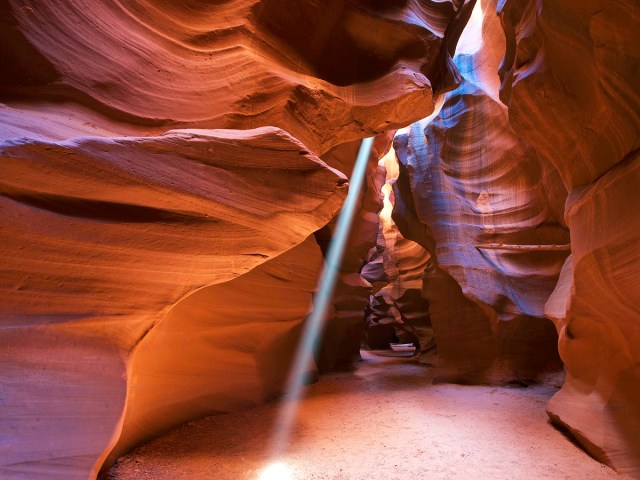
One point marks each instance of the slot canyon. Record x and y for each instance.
(413, 226)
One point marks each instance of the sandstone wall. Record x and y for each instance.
(122, 197)
(344, 327)
(482, 197)
(571, 82)
(396, 266)
(100, 239)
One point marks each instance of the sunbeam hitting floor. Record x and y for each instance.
(382, 421)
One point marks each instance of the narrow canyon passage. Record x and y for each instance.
(175, 179)
(382, 421)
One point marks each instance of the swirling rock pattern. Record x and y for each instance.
(318, 71)
(121, 196)
(480, 193)
(100, 238)
(570, 80)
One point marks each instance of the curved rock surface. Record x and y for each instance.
(100, 238)
(570, 79)
(223, 348)
(320, 72)
(481, 194)
(121, 196)
(474, 185)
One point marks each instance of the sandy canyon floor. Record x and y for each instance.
(382, 421)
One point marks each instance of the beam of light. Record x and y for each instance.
(471, 39)
(276, 471)
(321, 303)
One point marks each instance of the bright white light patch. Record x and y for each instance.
(471, 38)
(277, 471)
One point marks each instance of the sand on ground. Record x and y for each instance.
(383, 420)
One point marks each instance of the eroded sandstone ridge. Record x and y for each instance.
(571, 80)
(161, 163)
(530, 212)
(101, 237)
(496, 238)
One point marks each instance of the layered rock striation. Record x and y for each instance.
(570, 79)
(156, 153)
(101, 238)
(497, 243)
(319, 72)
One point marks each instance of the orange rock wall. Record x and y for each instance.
(571, 82)
(224, 347)
(123, 199)
(100, 239)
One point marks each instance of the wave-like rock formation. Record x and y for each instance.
(126, 206)
(101, 238)
(571, 82)
(320, 72)
(225, 347)
(499, 246)
(475, 186)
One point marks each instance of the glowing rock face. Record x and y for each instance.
(277, 471)
(469, 180)
(120, 200)
(570, 80)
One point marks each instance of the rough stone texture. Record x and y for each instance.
(404, 293)
(572, 85)
(63, 391)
